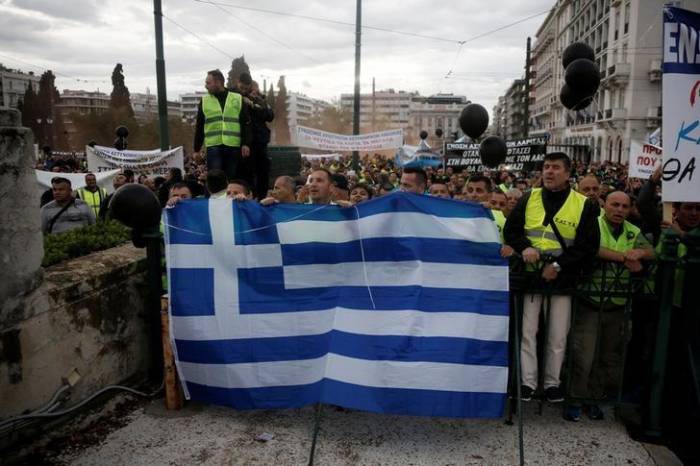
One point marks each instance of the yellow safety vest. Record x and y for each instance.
(94, 200)
(222, 127)
(500, 220)
(616, 278)
(567, 220)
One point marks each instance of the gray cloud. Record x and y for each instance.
(85, 38)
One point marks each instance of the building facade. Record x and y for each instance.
(626, 36)
(82, 103)
(13, 85)
(188, 106)
(439, 111)
(381, 110)
(301, 108)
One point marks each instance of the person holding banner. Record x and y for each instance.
(223, 124)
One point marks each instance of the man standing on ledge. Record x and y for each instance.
(556, 231)
(223, 124)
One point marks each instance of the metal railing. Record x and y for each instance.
(659, 307)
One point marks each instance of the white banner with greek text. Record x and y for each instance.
(681, 106)
(323, 140)
(644, 159)
(142, 162)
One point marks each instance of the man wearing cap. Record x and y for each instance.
(223, 124)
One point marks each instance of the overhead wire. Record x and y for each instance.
(197, 36)
(255, 28)
(57, 73)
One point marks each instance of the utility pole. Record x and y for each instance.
(160, 77)
(356, 102)
(526, 128)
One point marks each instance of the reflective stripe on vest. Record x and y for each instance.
(616, 278)
(222, 127)
(94, 200)
(567, 220)
(500, 220)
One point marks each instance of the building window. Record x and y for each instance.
(627, 17)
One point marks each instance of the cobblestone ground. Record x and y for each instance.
(209, 435)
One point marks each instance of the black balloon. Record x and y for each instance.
(583, 76)
(122, 131)
(135, 206)
(473, 120)
(423, 134)
(576, 51)
(574, 100)
(438, 132)
(493, 151)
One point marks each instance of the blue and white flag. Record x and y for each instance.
(398, 305)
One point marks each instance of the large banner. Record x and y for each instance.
(523, 155)
(77, 180)
(142, 162)
(397, 305)
(644, 159)
(681, 105)
(317, 139)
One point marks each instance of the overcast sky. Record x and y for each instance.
(83, 39)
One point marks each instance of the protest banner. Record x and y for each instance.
(681, 105)
(644, 159)
(317, 139)
(333, 156)
(523, 155)
(149, 162)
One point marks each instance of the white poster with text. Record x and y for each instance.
(323, 140)
(681, 105)
(142, 162)
(644, 159)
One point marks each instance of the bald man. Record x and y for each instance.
(589, 186)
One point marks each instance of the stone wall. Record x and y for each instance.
(88, 315)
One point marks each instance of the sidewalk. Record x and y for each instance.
(209, 435)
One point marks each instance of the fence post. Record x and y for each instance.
(666, 271)
(691, 306)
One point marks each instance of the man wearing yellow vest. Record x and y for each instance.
(598, 331)
(92, 194)
(223, 124)
(554, 228)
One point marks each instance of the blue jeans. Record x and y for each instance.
(225, 158)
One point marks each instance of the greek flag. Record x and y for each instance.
(398, 305)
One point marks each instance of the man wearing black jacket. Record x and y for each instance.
(554, 228)
(260, 114)
(223, 123)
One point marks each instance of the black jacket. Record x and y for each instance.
(587, 240)
(246, 136)
(260, 114)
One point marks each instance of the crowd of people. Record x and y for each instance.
(561, 219)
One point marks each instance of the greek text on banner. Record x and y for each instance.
(681, 106)
(317, 139)
(644, 158)
(142, 162)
